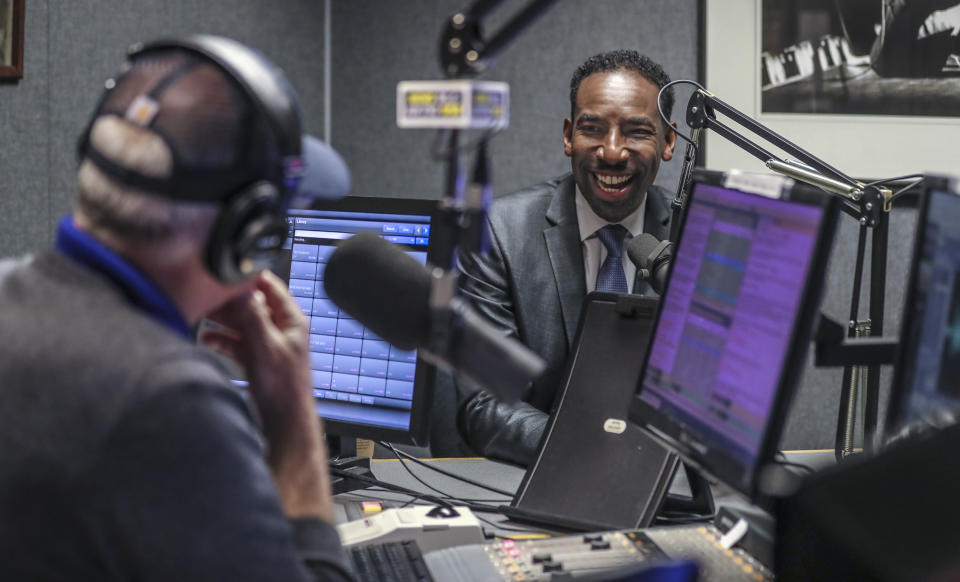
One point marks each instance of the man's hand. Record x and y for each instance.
(266, 333)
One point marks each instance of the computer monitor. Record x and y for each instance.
(363, 386)
(925, 391)
(735, 322)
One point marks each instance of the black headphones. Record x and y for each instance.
(252, 222)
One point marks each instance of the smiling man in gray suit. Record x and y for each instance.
(553, 243)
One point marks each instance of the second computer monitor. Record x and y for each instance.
(363, 386)
(925, 390)
(735, 321)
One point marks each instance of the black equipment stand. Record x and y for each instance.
(869, 204)
(344, 461)
(465, 53)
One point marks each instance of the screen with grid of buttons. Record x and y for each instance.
(363, 386)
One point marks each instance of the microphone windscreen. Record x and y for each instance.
(640, 247)
(382, 287)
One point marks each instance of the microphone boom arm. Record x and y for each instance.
(463, 50)
(701, 113)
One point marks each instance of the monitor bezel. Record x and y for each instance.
(672, 434)
(418, 431)
(895, 420)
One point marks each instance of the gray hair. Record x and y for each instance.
(127, 213)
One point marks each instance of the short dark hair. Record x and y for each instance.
(628, 60)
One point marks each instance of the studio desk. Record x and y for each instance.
(506, 477)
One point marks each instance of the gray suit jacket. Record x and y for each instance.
(532, 284)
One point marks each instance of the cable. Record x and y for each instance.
(362, 495)
(444, 472)
(371, 495)
(903, 191)
(415, 494)
(664, 117)
(412, 474)
(388, 486)
(805, 468)
(445, 501)
(898, 178)
(447, 496)
(781, 460)
(919, 178)
(414, 498)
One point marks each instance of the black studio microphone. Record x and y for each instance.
(396, 298)
(652, 256)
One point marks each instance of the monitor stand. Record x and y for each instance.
(343, 457)
(699, 503)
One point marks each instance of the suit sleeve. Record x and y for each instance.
(485, 282)
(490, 427)
(183, 492)
(509, 432)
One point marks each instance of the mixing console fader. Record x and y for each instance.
(595, 552)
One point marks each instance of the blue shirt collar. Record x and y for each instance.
(139, 289)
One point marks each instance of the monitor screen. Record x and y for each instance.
(734, 323)
(363, 386)
(925, 391)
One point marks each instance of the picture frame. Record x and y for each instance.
(12, 13)
(866, 147)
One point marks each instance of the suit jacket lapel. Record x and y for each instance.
(566, 255)
(657, 218)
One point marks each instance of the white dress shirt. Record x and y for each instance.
(594, 253)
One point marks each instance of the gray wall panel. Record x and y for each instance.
(377, 43)
(812, 420)
(66, 68)
(24, 184)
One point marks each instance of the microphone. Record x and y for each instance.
(405, 304)
(652, 256)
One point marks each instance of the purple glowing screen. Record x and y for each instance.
(728, 315)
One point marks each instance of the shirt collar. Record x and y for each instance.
(139, 289)
(589, 222)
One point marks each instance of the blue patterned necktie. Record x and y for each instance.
(611, 277)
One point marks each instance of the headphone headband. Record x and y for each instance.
(276, 110)
(263, 83)
(256, 189)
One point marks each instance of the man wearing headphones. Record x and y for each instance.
(127, 451)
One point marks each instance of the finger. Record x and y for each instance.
(249, 317)
(256, 320)
(284, 310)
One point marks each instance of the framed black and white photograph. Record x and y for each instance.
(860, 57)
(870, 86)
(11, 38)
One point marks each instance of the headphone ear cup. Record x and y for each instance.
(247, 224)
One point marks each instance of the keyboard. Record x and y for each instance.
(397, 561)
